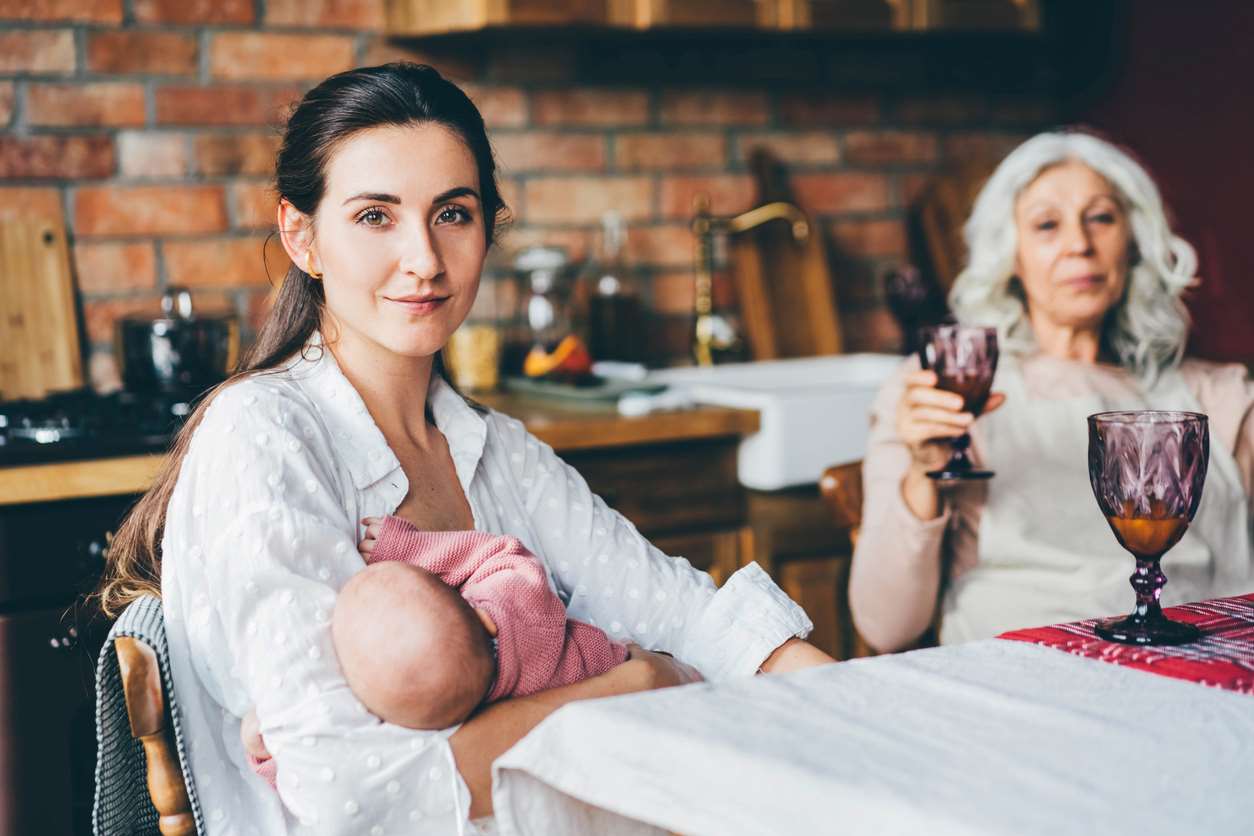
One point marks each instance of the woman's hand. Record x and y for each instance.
(927, 417)
(660, 670)
(793, 655)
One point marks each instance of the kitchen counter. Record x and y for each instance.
(566, 427)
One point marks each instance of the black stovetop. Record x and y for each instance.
(83, 425)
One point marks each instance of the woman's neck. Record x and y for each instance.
(1064, 342)
(393, 387)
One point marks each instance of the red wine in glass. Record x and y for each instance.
(1147, 469)
(964, 359)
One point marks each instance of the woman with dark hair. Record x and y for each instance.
(388, 204)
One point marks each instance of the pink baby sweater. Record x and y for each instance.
(538, 647)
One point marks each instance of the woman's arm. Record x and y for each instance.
(487, 735)
(613, 578)
(896, 570)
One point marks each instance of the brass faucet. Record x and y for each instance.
(704, 226)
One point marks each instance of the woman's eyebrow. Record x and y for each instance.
(381, 197)
(458, 191)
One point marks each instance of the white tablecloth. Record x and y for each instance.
(993, 737)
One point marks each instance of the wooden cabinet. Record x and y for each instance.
(437, 17)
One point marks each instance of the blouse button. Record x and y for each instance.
(352, 808)
(435, 773)
(373, 761)
(328, 774)
(393, 787)
(376, 831)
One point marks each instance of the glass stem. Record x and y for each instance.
(960, 460)
(1148, 581)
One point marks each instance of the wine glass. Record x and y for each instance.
(1147, 470)
(964, 359)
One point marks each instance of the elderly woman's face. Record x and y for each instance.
(1073, 247)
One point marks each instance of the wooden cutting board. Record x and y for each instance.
(787, 298)
(39, 342)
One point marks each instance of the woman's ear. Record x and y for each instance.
(296, 233)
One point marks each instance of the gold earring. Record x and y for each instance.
(313, 274)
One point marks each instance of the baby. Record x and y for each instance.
(441, 622)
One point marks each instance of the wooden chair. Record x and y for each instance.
(150, 724)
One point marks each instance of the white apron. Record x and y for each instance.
(1046, 552)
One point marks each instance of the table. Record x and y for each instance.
(991, 737)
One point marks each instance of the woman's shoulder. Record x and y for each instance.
(1223, 391)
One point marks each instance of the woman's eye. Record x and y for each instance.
(1046, 226)
(372, 217)
(452, 215)
(1103, 218)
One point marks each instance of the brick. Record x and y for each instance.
(815, 109)
(100, 103)
(326, 14)
(674, 292)
(216, 262)
(586, 199)
(587, 106)
(152, 154)
(236, 153)
(149, 210)
(60, 157)
(912, 187)
(194, 11)
(981, 146)
(889, 147)
(8, 96)
(870, 238)
(178, 105)
(714, 107)
(110, 267)
(253, 205)
(666, 245)
(549, 151)
(37, 51)
(841, 192)
(454, 63)
(670, 151)
(275, 57)
(155, 53)
(501, 107)
(806, 148)
(30, 202)
(83, 11)
(576, 242)
(941, 110)
(728, 193)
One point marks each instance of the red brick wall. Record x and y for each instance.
(151, 125)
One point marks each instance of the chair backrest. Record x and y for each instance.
(841, 487)
(150, 725)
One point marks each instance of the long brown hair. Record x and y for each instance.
(342, 105)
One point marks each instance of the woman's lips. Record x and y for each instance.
(418, 305)
(1084, 282)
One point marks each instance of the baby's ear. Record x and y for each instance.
(488, 623)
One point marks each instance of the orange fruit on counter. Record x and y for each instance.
(570, 357)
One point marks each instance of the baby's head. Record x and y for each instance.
(413, 651)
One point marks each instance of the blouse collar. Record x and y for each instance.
(360, 441)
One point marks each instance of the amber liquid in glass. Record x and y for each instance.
(1146, 537)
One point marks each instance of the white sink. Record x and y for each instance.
(814, 410)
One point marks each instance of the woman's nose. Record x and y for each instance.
(421, 256)
(1077, 238)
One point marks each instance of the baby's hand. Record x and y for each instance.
(250, 736)
(374, 525)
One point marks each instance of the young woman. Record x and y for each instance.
(388, 204)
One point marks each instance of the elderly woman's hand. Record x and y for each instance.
(927, 418)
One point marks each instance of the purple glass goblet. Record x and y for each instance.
(1147, 469)
(964, 359)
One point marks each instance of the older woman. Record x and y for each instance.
(1072, 260)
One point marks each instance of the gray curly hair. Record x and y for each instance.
(1148, 329)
